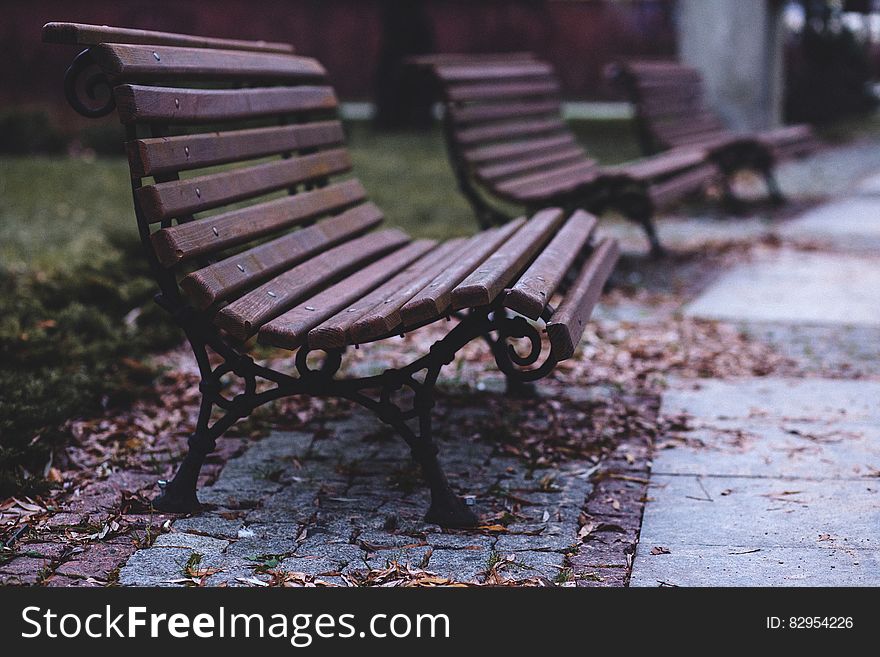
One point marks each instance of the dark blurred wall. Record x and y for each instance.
(346, 35)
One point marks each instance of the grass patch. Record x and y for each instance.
(71, 274)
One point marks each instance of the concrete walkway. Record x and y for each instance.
(777, 483)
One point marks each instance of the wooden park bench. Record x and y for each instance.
(254, 234)
(507, 141)
(672, 113)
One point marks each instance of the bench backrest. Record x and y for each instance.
(232, 153)
(670, 103)
(503, 116)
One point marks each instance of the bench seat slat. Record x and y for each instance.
(486, 71)
(155, 156)
(509, 130)
(531, 163)
(547, 183)
(244, 316)
(477, 113)
(434, 299)
(211, 234)
(692, 181)
(660, 166)
(496, 272)
(502, 90)
(290, 330)
(532, 292)
(138, 103)
(134, 63)
(182, 197)
(335, 332)
(88, 35)
(384, 317)
(506, 151)
(569, 321)
(225, 278)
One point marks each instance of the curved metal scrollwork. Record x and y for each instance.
(87, 88)
(329, 365)
(510, 361)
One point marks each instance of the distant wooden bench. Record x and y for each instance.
(253, 233)
(507, 141)
(672, 113)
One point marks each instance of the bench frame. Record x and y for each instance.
(492, 323)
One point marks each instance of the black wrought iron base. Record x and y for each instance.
(179, 494)
(375, 393)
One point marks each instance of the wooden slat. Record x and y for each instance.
(484, 71)
(528, 164)
(182, 197)
(488, 112)
(385, 317)
(509, 130)
(439, 59)
(516, 149)
(196, 238)
(137, 103)
(434, 299)
(787, 135)
(135, 63)
(658, 166)
(568, 322)
(548, 183)
(335, 332)
(497, 271)
(532, 292)
(499, 90)
(244, 316)
(228, 277)
(291, 329)
(150, 157)
(89, 35)
(670, 191)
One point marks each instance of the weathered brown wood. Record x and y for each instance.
(532, 163)
(228, 277)
(517, 149)
(221, 231)
(532, 292)
(385, 317)
(658, 166)
(138, 103)
(509, 130)
(547, 184)
(435, 298)
(439, 59)
(569, 321)
(290, 330)
(486, 71)
(150, 157)
(136, 63)
(183, 197)
(672, 109)
(475, 113)
(497, 271)
(244, 316)
(335, 332)
(499, 90)
(683, 184)
(89, 35)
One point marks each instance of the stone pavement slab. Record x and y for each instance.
(347, 498)
(852, 222)
(776, 485)
(796, 287)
